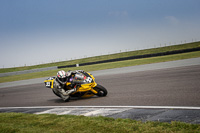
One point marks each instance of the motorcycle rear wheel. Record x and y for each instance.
(101, 90)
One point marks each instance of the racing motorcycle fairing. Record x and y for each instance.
(85, 85)
(49, 82)
(85, 82)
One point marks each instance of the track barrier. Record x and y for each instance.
(136, 57)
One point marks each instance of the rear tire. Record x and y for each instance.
(101, 90)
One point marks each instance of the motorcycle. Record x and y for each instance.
(85, 87)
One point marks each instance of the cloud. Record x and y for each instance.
(172, 20)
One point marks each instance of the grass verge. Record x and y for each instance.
(106, 57)
(18, 122)
(103, 66)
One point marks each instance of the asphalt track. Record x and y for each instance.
(178, 86)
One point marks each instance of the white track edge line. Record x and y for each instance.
(136, 107)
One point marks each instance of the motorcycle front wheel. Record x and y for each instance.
(101, 90)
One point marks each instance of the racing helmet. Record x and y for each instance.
(61, 76)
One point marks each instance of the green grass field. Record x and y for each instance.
(103, 66)
(47, 123)
(106, 57)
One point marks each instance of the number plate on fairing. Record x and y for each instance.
(49, 82)
(88, 79)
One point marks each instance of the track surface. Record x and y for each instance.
(178, 86)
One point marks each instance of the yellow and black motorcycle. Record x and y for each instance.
(86, 86)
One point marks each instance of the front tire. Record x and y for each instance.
(102, 92)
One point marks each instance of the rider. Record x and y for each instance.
(60, 83)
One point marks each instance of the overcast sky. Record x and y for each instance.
(41, 31)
